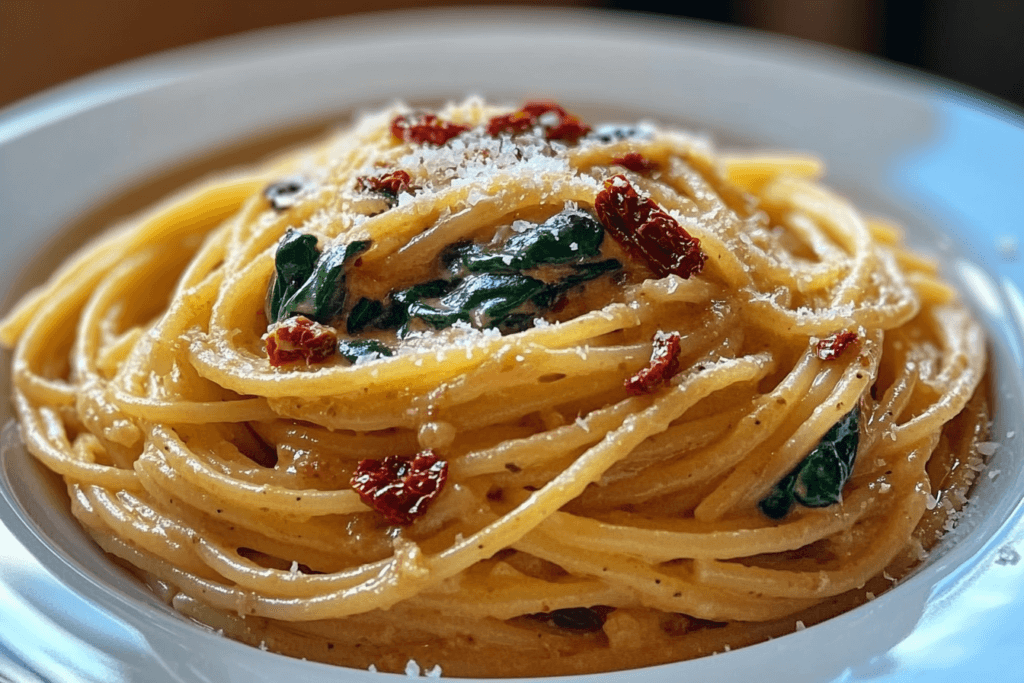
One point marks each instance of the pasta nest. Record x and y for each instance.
(141, 375)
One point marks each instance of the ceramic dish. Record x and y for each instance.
(945, 163)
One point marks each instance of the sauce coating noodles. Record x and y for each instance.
(649, 452)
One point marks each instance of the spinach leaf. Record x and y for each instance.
(363, 314)
(353, 349)
(396, 315)
(567, 236)
(483, 299)
(819, 478)
(294, 260)
(322, 296)
(582, 272)
(489, 286)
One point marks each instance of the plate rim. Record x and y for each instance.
(143, 66)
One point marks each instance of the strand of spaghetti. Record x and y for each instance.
(43, 338)
(212, 592)
(767, 413)
(87, 447)
(544, 446)
(684, 436)
(496, 408)
(42, 443)
(40, 389)
(510, 595)
(210, 526)
(753, 171)
(967, 360)
(662, 591)
(129, 520)
(951, 473)
(256, 228)
(296, 437)
(400, 231)
(842, 222)
(737, 538)
(798, 274)
(409, 572)
(654, 150)
(881, 421)
(767, 313)
(516, 367)
(206, 205)
(103, 417)
(880, 543)
(931, 289)
(284, 584)
(215, 359)
(192, 412)
(115, 351)
(157, 369)
(498, 405)
(299, 503)
(751, 480)
(319, 533)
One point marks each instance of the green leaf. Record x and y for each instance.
(294, 260)
(565, 237)
(582, 272)
(322, 296)
(396, 315)
(363, 314)
(483, 299)
(353, 349)
(489, 286)
(819, 478)
(780, 500)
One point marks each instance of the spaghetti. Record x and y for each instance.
(483, 382)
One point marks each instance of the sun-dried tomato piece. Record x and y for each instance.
(392, 184)
(561, 126)
(637, 163)
(832, 347)
(646, 231)
(516, 122)
(570, 129)
(557, 122)
(424, 128)
(538, 108)
(299, 338)
(398, 487)
(663, 366)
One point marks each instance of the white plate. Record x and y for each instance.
(945, 163)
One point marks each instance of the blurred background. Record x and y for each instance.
(977, 42)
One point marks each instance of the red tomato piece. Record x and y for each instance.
(560, 125)
(637, 163)
(425, 128)
(830, 348)
(389, 183)
(300, 338)
(401, 488)
(516, 122)
(663, 366)
(647, 231)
